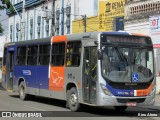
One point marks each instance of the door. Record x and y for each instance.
(10, 70)
(90, 74)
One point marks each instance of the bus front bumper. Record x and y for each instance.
(105, 100)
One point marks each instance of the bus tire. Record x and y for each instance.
(120, 108)
(72, 100)
(22, 91)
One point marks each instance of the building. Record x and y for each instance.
(33, 22)
(109, 17)
(144, 17)
(69, 10)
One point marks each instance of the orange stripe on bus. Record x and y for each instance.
(144, 92)
(59, 38)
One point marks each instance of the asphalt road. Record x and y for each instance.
(9, 101)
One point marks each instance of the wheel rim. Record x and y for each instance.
(22, 91)
(73, 99)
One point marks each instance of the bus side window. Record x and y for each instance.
(73, 53)
(58, 52)
(44, 51)
(21, 55)
(32, 55)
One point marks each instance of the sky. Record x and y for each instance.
(4, 21)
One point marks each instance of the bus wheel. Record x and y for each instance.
(22, 91)
(120, 108)
(72, 100)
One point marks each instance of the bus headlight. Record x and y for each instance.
(153, 90)
(105, 90)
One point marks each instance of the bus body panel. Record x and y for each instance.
(42, 77)
(51, 81)
(74, 75)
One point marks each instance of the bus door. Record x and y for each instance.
(89, 74)
(10, 70)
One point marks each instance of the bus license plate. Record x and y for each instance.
(131, 104)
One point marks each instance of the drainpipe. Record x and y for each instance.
(23, 20)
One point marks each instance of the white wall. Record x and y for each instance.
(138, 27)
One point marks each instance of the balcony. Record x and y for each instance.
(30, 3)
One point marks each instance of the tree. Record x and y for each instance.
(1, 28)
(6, 4)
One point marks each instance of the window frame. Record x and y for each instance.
(31, 55)
(59, 53)
(74, 53)
(25, 56)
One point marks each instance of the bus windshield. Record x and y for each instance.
(120, 64)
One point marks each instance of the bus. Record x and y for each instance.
(94, 68)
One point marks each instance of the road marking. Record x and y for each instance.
(34, 108)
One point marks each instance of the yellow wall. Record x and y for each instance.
(108, 10)
(91, 25)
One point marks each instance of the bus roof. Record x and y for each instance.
(71, 37)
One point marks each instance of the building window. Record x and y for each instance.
(73, 53)
(58, 52)
(21, 55)
(68, 14)
(31, 28)
(17, 31)
(44, 54)
(38, 26)
(11, 32)
(47, 28)
(32, 55)
(57, 21)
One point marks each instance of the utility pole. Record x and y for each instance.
(62, 19)
(23, 21)
(84, 22)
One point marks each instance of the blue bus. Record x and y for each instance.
(97, 68)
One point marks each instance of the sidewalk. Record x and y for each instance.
(157, 100)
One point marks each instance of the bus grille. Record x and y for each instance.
(130, 87)
(123, 100)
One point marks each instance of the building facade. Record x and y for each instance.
(36, 17)
(66, 11)
(33, 19)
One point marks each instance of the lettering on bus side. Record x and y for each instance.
(70, 76)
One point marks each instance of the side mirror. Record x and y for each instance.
(100, 55)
